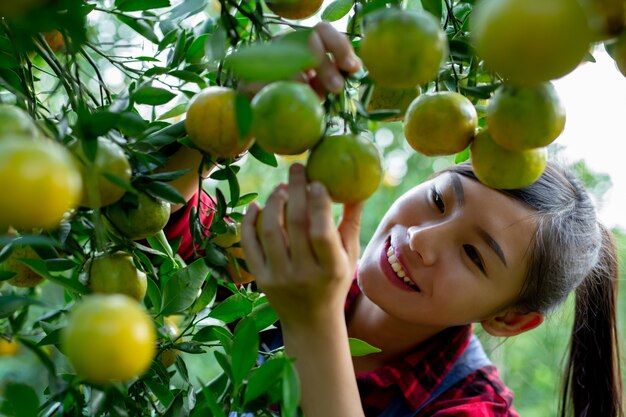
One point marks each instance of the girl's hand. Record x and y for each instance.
(301, 261)
(329, 75)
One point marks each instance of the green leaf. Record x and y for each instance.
(140, 26)
(246, 199)
(245, 349)
(119, 181)
(20, 401)
(462, 156)
(234, 307)
(188, 76)
(52, 338)
(139, 5)
(174, 111)
(264, 378)
(59, 264)
(188, 8)
(233, 186)
(212, 334)
(12, 303)
(433, 6)
(264, 315)
(39, 267)
(206, 296)
(165, 191)
(291, 391)
(271, 61)
(481, 91)
(211, 402)
(243, 113)
(42, 355)
(263, 156)
(336, 10)
(161, 391)
(196, 50)
(152, 95)
(361, 348)
(182, 288)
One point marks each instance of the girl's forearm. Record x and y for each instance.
(324, 365)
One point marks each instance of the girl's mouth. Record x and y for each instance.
(394, 271)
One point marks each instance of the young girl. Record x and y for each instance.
(449, 253)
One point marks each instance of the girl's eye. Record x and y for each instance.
(474, 256)
(437, 200)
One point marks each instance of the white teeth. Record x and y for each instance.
(395, 265)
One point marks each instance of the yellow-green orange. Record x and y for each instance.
(294, 9)
(15, 121)
(212, 123)
(23, 275)
(116, 274)
(288, 118)
(349, 166)
(606, 17)
(40, 183)
(617, 50)
(109, 338)
(136, 222)
(98, 190)
(402, 49)
(8, 347)
(529, 41)
(441, 123)
(384, 98)
(525, 117)
(501, 168)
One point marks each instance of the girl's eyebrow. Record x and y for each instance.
(459, 196)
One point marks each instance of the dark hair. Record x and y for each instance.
(572, 251)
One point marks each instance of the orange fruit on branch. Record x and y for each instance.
(140, 221)
(294, 9)
(116, 274)
(402, 48)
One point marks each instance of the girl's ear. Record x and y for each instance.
(511, 323)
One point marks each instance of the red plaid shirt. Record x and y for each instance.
(178, 225)
(416, 376)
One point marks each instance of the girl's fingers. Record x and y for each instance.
(272, 229)
(327, 72)
(339, 46)
(297, 215)
(252, 249)
(350, 227)
(323, 234)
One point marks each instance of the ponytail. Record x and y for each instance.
(592, 384)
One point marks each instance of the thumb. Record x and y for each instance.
(349, 228)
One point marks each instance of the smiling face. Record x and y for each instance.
(448, 252)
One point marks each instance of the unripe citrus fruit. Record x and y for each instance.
(401, 48)
(140, 221)
(98, 191)
(15, 121)
(116, 274)
(8, 347)
(294, 9)
(55, 40)
(231, 236)
(171, 331)
(40, 183)
(212, 123)
(529, 41)
(617, 51)
(24, 276)
(605, 17)
(288, 118)
(238, 274)
(349, 166)
(441, 123)
(501, 168)
(109, 338)
(384, 98)
(525, 117)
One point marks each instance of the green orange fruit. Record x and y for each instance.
(141, 220)
(498, 167)
(530, 41)
(40, 183)
(525, 117)
(384, 98)
(441, 123)
(349, 166)
(288, 118)
(401, 48)
(294, 9)
(116, 274)
(109, 338)
(212, 123)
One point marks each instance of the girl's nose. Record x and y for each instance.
(423, 241)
